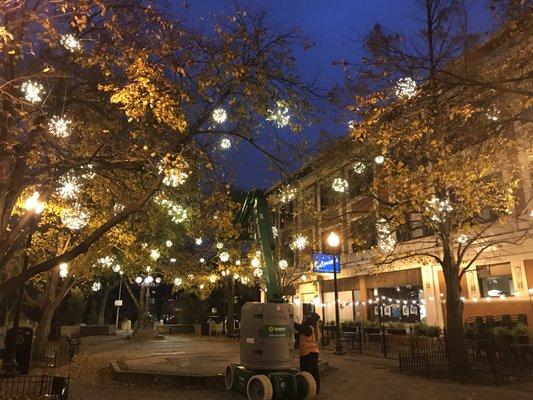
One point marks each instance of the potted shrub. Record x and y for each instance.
(421, 329)
(371, 327)
(520, 334)
(348, 326)
(396, 328)
(503, 339)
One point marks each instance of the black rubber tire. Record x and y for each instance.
(259, 388)
(306, 385)
(229, 378)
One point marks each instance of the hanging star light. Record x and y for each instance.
(300, 242)
(69, 187)
(158, 280)
(177, 213)
(63, 270)
(59, 126)
(359, 167)
(280, 116)
(220, 115)
(339, 185)
(32, 91)
(283, 264)
(224, 256)
(405, 88)
(225, 143)
(96, 286)
(74, 218)
(149, 280)
(386, 239)
(70, 42)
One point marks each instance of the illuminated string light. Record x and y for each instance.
(70, 43)
(96, 286)
(219, 245)
(379, 159)
(202, 260)
(33, 203)
(258, 272)
(225, 143)
(32, 91)
(220, 115)
(386, 239)
(300, 242)
(59, 126)
(213, 278)
(138, 280)
(106, 261)
(438, 209)
(177, 213)
(462, 238)
(155, 254)
(493, 114)
(274, 231)
(116, 268)
(405, 88)
(287, 194)
(255, 262)
(168, 243)
(178, 281)
(224, 256)
(280, 115)
(339, 185)
(74, 218)
(63, 270)
(283, 264)
(174, 173)
(158, 280)
(245, 280)
(198, 241)
(359, 167)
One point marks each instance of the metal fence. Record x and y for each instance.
(34, 387)
(57, 355)
(490, 359)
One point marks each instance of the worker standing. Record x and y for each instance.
(308, 339)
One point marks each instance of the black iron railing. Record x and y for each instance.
(34, 386)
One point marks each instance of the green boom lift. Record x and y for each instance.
(267, 369)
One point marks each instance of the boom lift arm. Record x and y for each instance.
(255, 208)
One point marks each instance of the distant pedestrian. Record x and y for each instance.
(308, 339)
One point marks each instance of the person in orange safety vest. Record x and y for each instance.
(308, 340)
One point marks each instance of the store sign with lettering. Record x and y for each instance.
(323, 263)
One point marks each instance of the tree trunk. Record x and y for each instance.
(230, 313)
(455, 331)
(48, 310)
(102, 304)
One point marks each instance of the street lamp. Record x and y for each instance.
(333, 242)
(35, 207)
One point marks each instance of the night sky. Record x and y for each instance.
(332, 24)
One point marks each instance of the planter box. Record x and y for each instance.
(372, 330)
(396, 331)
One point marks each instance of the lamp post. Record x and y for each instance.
(35, 206)
(119, 300)
(333, 242)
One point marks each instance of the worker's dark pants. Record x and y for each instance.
(309, 363)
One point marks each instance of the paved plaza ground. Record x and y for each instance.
(352, 376)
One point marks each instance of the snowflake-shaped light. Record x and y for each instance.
(283, 264)
(198, 241)
(175, 173)
(138, 280)
(405, 88)
(202, 260)
(339, 185)
(224, 256)
(220, 115)
(177, 213)
(258, 272)
(70, 42)
(493, 114)
(116, 268)
(219, 245)
(438, 209)
(300, 242)
(287, 194)
(69, 187)
(386, 239)
(32, 91)
(96, 286)
(462, 238)
(59, 126)
(168, 243)
(155, 254)
(63, 270)
(359, 167)
(280, 116)
(225, 143)
(74, 218)
(379, 159)
(106, 261)
(158, 280)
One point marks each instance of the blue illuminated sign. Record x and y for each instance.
(323, 263)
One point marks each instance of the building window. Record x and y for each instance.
(359, 184)
(495, 280)
(413, 228)
(363, 234)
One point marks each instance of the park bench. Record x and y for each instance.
(94, 330)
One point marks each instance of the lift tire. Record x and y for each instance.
(306, 385)
(259, 388)
(231, 375)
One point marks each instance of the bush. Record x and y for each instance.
(75, 307)
(421, 329)
(371, 324)
(520, 329)
(396, 325)
(92, 316)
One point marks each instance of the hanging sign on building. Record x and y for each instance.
(323, 263)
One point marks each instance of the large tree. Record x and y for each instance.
(443, 122)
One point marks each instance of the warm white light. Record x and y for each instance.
(359, 167)
(379, 159)
(225, 143)
(69, 187)
(198, 241)
(224, 256)
(287, 194)
(70, 42)
(255, 262)
(96, 286)
(386, 239)
(138, 280)
(405, 88)
(63, 270)
(178, 281)
(106, 261)
(238, 262)
(220, 115)
(154, 254)
(149, 279)
(235, 276)
(339, 185)
(280, 115)
(283, 264)
(201, 286)
(274, 231)
(173, 260)
(59, 126)
(333, 240)
(202, 260)
(168, 243)
(116, 268)
(438, 209)
(258, 272)
(462, 238)
(32, 91)
(177, 213)
(245, 280)
(303, 278)
(33, 203)
(74, 218)
(300, 242)
(297, 301)
(158, 280)
(219, 245)
(213, 278)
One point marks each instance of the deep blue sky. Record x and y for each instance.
(331, 24)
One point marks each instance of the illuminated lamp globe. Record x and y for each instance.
(333, 240)
(138, 280)
(158, 280)
(255, 262)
